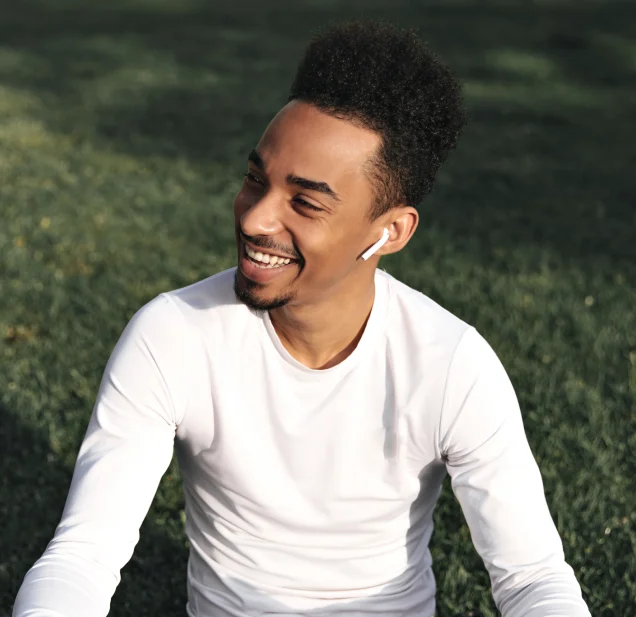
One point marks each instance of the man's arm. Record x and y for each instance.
(497, 482)
(127, 448)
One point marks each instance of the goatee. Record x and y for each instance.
(245, 292)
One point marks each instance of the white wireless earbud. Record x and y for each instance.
(377, 245)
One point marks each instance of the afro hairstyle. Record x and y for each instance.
(384, 78)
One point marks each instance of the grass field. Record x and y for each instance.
(124, 129)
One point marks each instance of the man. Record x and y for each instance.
(315, 402)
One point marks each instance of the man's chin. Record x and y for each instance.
(253, 294)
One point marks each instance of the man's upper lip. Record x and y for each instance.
(268, 251)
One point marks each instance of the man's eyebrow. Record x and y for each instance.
(312, 185)
(309, 185)
(255, 158)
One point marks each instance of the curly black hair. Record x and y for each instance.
(385, 78)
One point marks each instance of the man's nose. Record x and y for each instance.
(264, 216)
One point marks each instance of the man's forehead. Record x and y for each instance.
(301, 136)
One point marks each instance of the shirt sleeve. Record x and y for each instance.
(127, 448)
(499, 487)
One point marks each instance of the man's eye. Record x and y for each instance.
(252, 178)
(304, 204)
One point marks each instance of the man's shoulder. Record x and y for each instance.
(208, 298)
(421, 316)
(441, 339)
(209, 302)
(214, 291)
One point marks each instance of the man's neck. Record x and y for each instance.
(323, 334)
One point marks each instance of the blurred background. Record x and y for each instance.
(124, 131)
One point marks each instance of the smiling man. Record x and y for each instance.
(315, 402)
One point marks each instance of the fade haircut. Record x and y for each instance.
(383, 78)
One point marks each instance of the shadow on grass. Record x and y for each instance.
(33, 488)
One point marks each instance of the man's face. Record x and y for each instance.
(306, 198)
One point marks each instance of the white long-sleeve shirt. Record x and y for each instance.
(308, 492)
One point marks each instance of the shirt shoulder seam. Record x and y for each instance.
(443, 404)
(180, 409)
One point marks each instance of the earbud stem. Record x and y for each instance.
(377, 245)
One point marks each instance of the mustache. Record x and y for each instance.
(267, 243)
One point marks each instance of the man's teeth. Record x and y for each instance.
(271, 261)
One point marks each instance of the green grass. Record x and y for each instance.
(124, 128)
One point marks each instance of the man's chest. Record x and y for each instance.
(330, 450)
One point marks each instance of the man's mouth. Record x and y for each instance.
(266, 261)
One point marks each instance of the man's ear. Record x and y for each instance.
(401, 221)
